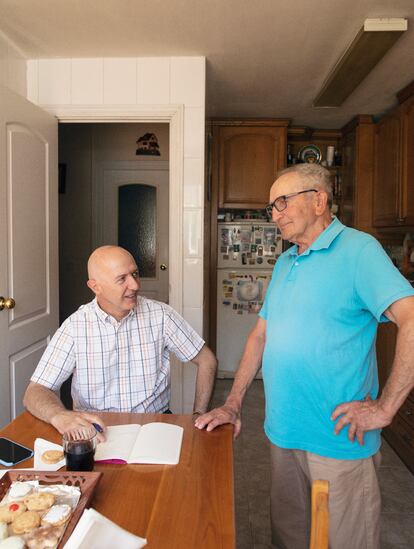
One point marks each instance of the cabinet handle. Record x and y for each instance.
(408, 413)
(400, 219)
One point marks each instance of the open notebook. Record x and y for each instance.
(149, 443)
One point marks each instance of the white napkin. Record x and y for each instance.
(40, 446)
(94, 531)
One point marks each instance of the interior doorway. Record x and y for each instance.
(113, 189)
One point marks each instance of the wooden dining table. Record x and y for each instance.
(189, 505)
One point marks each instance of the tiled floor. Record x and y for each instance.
(252, 481)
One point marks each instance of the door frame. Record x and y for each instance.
(174, 116)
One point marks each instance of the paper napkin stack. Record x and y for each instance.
(94, 531)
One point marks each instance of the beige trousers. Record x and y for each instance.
(354, 499)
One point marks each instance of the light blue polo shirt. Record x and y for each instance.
(321, 310)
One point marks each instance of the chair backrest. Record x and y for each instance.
(320, 515)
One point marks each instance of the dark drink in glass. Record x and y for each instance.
(79, 449)
(80, 458)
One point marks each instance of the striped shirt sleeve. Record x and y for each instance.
(58, 360)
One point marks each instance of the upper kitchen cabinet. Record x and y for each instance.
(246, 158)
(387, 178)
(407, 173)
(393, 196)
(355, 201)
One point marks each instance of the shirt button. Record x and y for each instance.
(296, 264)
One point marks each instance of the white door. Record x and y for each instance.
(132, 210)
(28, 243)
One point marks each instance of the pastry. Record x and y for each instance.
(57, 515)
(10, 511)
(52, 456)
(4, 532)
(19, 490)
(13, 542)
(26, 522)
(39, 501)
(44, 537)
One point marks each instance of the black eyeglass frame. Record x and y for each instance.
(284, 197)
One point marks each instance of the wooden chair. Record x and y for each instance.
(320, 515)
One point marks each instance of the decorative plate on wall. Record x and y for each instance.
(310, 154)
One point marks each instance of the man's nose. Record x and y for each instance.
(276, 215)
(134, 283)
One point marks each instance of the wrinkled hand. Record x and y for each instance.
(361, 416)
(220, 416)
(67, 420)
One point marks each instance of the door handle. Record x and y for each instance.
(7, 303)
(163, 267)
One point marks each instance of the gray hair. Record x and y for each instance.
(312, 175)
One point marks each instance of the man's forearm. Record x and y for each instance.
(42, 402)
(401, 379)
(206, 375)
(248, 368)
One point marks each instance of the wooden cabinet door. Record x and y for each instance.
(407, 180)
(249, 159)
(386, 195)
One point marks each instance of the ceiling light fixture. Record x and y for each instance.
(371, 43)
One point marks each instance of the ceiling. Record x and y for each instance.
(265, 58)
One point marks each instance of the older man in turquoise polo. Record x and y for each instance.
(315, 337)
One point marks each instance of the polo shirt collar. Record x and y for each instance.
(324, 240)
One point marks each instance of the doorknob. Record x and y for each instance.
(163, 267)
(7, 303)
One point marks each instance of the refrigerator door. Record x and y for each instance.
(248, 245)
(240, 295)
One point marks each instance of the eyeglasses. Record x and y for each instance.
(281, 203)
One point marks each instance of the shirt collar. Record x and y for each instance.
(106, 316)
(324, 240)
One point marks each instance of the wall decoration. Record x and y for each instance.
(148, 145)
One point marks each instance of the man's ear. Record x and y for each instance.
(93, 285)
(321, 202)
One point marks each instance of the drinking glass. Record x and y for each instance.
(79, 447)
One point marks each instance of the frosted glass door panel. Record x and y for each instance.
(137, 223)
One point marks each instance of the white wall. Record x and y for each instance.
(12, 67)
(143, 81)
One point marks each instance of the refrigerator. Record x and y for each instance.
(246, 254)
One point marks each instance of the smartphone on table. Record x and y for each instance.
(12, 453)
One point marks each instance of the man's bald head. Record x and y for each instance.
(105, 259)
(113, 278)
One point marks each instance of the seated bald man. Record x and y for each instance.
(117, 348)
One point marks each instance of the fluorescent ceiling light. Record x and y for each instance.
(371, 43)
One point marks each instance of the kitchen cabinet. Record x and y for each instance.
(246, 158)
(400, 434)
(355, 200)
(393, 193)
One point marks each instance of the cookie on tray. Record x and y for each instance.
(19, 490)
(39, 501)
(10, 511)
(13, 542)
(52, 456)
(44, 537)
(26, 522)
(57, 515)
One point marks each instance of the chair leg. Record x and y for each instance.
(320, 515)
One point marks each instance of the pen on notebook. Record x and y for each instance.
(98, 427)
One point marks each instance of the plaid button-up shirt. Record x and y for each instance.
(118, 366)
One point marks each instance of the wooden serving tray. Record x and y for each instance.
(85, 481)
